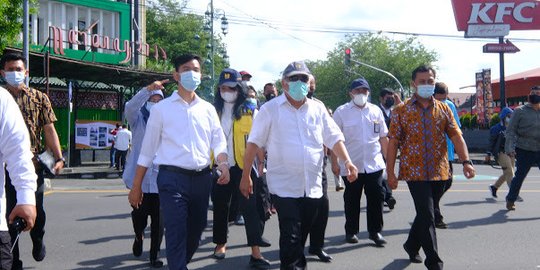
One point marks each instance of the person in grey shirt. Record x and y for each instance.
(523, 142)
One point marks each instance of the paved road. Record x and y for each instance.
(89, 227)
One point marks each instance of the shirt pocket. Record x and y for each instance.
(351, 130)
(314, 130)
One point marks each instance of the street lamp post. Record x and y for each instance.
(211, 14)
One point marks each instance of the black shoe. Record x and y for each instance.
(413, 257)
(156, 263)
(38, 250)
(264, 242)
(323, 256)
(391, 202)
(441, 225)
(137, 247)
(351, 238)
(378, 239)
(493, 190)
(17, 265)
(261, 263)
(218, 255)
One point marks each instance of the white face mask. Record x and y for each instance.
(360, 99)
(229, 97)
(14, 78)
(149, 105)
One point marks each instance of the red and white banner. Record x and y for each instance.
(492, 17)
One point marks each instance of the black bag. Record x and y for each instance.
(47, 162)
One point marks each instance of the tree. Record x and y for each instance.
(399, 57)
(11, 14)
(178, 32)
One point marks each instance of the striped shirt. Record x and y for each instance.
(420, 133)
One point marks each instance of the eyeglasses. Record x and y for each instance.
(303, 78)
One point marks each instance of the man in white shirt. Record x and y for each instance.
(122, 142)
(16, 154)
(181, 134)
(294, 130)
(365, 132)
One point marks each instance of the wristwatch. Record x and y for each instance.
(468, 161)
(60, 159)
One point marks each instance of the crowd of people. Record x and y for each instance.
(254, 159)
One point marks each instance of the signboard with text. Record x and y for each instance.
(507, 47)
(94, 134)
(495, 18)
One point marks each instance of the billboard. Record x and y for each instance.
(495, 18)
(91, 134)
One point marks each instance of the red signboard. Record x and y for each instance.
(517, 14)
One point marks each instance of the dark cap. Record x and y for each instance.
(297, 67)
(229, 77)
(359, 83)
(245, 73)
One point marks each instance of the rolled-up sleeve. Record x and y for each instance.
(152, 138)
(261, 127)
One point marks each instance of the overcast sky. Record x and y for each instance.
(265, 49)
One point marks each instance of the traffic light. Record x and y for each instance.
(348, 52)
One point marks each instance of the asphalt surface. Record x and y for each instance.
(89, 227)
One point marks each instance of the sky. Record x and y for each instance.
(265, 49)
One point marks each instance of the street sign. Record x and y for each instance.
(507, 47)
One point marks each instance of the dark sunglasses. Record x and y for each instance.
(303, 78)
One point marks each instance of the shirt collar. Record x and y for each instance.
(177, 98)
(414, 100)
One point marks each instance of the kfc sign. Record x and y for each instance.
(496, 16)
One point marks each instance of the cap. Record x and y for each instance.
(229, 77)
(245, 73)
(297, 67)
(359, 83)
(157, 92)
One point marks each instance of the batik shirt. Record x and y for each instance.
(421, 138)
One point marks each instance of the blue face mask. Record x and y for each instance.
(190, 80)
(425, 90)
(251, 101)
(14, 78)
(298, 90)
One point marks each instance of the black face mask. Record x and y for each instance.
(309, 94)
(389, 103)
(534, 99)
(269, 97)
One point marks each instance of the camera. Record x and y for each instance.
(18, 224)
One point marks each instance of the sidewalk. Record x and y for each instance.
(101, 170)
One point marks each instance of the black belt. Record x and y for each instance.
(170, 168)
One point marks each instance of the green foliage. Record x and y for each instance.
(474, 121)
(494, 119)
(465, 121)
(399, 57)
(11, 14)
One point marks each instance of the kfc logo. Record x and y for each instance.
(481, 12)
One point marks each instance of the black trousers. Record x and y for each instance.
(317, 233)
(120, 159)
(38, 231)
(149, 208)
(222, 196)
(372, 184)
(438, 216)
(6, 257)
(296, 217)
(422, 233)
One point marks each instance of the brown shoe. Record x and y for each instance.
(510, 206)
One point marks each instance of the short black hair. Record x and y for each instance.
(11, 57)
(386, 91)
(268, 84)
(423, 68)
(184, 58)
(124, 126)
(441, 88)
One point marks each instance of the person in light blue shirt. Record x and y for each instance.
(441, 94)
(137, 112)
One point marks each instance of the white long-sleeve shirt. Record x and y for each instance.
(182, 134)
(15, 153)
(294, 140)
